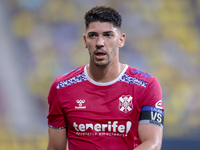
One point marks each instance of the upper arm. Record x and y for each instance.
(150, 136)
(57, 139)
(56, 121)
(150, 128)
(151, 120)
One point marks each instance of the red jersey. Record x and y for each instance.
(102, 116)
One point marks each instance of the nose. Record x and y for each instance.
(100, 42)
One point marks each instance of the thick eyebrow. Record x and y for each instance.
(103, 32)
(92, 32)
(108, 32)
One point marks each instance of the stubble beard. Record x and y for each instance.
(103, 63)
(99, 63)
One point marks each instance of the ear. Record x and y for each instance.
(84, 40)
(122, 40)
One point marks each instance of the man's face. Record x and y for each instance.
(103, 41)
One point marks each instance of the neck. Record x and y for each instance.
(104, 74)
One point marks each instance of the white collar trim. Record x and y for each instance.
(106, 83)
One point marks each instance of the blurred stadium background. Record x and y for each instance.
(42, 39)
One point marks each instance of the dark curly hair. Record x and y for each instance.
(103, 14)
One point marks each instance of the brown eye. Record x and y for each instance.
(92, 35)
(108, 35)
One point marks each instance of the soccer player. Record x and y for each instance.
(105, 105)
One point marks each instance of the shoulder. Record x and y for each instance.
(140, 77)
(74, 76)
(70, 74)
(134, 72)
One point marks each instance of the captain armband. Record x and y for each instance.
(151, 115)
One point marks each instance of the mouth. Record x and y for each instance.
(100, 54)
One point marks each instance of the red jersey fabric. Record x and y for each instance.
(102, 116)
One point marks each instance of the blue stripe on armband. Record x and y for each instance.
(149, 108)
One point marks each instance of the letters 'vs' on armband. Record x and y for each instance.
(151, 115)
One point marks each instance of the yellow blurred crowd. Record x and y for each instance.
(162, 39)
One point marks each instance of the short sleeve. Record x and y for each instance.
(152, 111)
(55, 117)
(153, 94)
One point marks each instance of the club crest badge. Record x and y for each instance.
(125, 103)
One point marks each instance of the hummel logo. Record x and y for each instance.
(80, 103)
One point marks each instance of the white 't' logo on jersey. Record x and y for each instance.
(125, 103)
